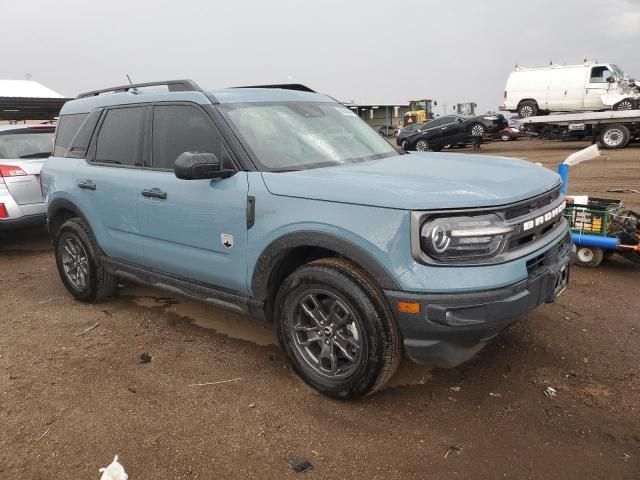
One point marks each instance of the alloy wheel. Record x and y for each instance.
(625, 105)
(75, 263)
(422, 146)
(477, 130)
(326, 334)
(526, 111)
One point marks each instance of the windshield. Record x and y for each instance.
(301, 135)
(617, 71)
(26, 145)
(418, 105)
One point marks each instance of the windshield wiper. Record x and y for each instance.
(284, 170)
(36, 155)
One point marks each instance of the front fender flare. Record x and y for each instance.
(280, 247)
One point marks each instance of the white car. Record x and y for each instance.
(23, 150)
(557, 88)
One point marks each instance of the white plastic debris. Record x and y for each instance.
(550, 392)
(582, 155)
(114, 471)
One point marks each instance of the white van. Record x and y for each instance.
(558, 88)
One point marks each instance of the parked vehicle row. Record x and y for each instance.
(453, 130)
(284, 205)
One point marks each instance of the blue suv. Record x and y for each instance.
(280, 203)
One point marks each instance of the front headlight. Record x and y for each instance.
(463, 238)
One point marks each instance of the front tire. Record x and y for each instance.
(422, 146)
(336, 329)
(589, 256)
(477, 130)
(78, 264)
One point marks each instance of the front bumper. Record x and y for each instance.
(452, 328)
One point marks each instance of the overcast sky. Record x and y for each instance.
(370, 51)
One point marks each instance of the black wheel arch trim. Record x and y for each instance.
(63, 204)
(279, 248)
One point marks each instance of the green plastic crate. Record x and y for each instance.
(595, 218)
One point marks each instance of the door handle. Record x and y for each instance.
(87, 185)
(154, 193)
(443, 128)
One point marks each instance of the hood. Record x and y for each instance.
(419, 181)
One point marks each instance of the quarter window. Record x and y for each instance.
(68, 126)
(121, 137)
(181, 128)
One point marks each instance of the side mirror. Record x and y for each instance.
(460, 120)
(199, 165)
(611, 79)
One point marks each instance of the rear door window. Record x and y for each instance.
(68, 126)
(182, 128)
(121, 137)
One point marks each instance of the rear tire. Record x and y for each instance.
(78, 263)
(527, 109)
(589, 256)
(337, 329)
(614, 136)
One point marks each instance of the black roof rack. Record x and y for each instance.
(284, 86)
(173, 86)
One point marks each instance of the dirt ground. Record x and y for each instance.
(70, 399)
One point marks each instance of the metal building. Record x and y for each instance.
(384, 118)
(22, 100)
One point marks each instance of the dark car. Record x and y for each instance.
(443, 131)
(407, 131)
(494, 122)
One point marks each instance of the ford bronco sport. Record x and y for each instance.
(280, 203)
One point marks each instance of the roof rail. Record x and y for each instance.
(173, 85)
(283, 86)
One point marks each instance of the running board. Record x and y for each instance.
(199, 291)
